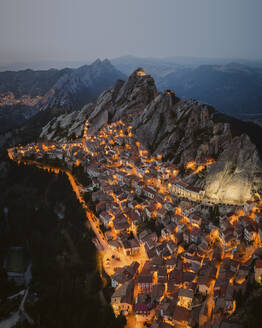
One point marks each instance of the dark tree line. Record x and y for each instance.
(65, 280)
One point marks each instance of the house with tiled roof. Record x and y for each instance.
(144, 308)
(258, 271)
(105, 218)
(204, 284)
(122, 298)
(195, 219)
(145, 278)
(185, 298)
(171, 262)
(120, 223)
(157, 292)
(172, 247)
(250, 233)
(162, 276)
(181, 316)
(167, 308)
(124, 274)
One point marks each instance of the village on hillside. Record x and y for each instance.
(172, 260)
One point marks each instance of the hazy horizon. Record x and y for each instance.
(60, 31)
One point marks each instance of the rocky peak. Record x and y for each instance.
(124, 98)
(187, 131)
(139, 87)
(96, 62)
(107, 62)
(182, 132)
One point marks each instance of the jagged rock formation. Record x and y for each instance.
(67, 126)
(187, 131)
(181, 131)
(122, 99)
(237, 173)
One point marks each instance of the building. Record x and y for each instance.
(143, 307)
(130, 246)
(157, 292)
(145, 279)
(105, 218)
(258, 271)
(182, 189)
(124, 274)
(149, 192)
(181, 317)
(250, 233)
(203, 284)
(122, 299)
(145, 282)
(162, 276)
(185, 298)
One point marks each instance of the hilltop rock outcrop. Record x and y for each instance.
(181, 131)
(123, 99)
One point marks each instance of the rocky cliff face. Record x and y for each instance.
(186, 131)
(123, 99)
(181, 131)
(237, 173)
(67, 126)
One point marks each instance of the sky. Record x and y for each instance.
(79, 30)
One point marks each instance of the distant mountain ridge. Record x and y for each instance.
(233, 87)
(67, 89)
(78, 86)
(30, 82)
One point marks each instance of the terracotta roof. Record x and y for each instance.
(258, 264)
(145, 278)
(181, 314)
(185, 293)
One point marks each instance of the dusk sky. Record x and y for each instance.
(67, 30)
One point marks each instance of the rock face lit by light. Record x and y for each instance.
(235, 175)
(234, 190)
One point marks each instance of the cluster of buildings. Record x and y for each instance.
(189, 284)
(10, 99)
(175, 268)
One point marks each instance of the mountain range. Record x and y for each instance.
(24, 93)
(233, 87)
